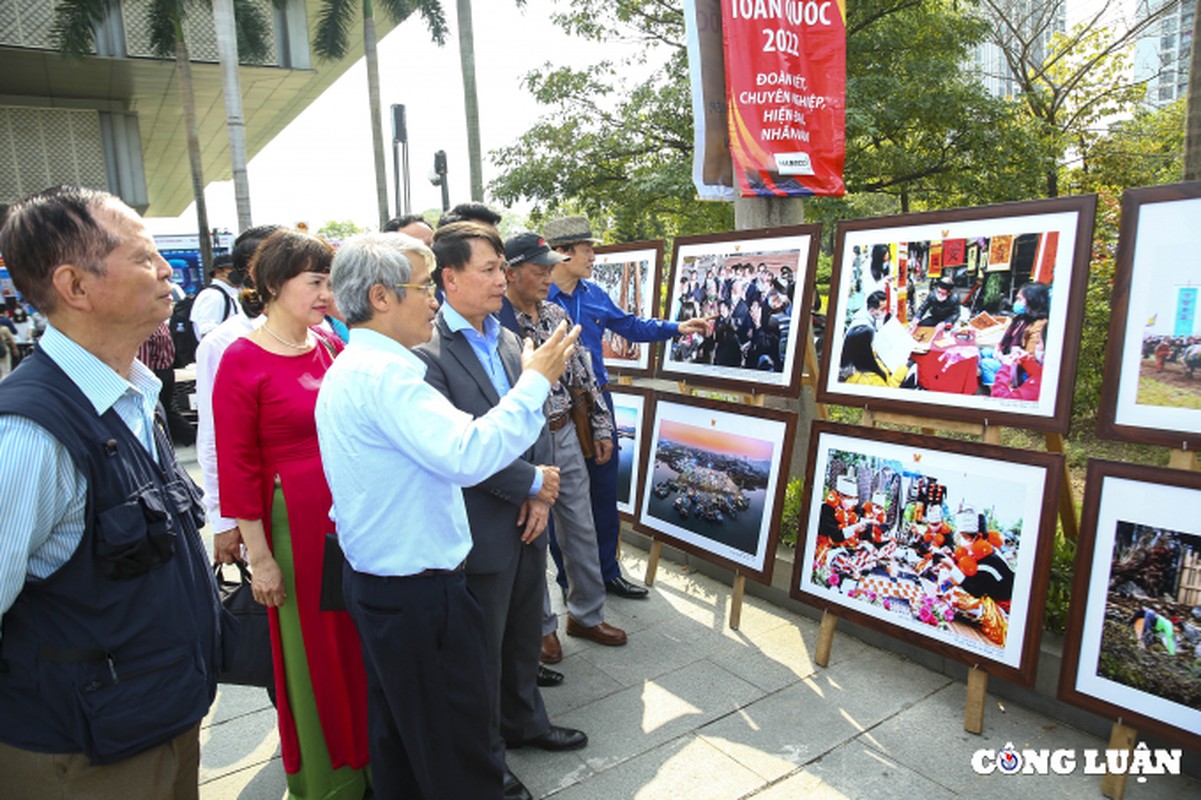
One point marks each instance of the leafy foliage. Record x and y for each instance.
(331, 39)
(339, 229)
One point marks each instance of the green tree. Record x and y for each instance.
(948, 144)
(75, 23)
(624, 154)
(1145, 150)
(1066, 82)
(339, 229)
(332, 39)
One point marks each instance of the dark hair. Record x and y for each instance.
(396, 223)
(284, 255)
(880, 252)
(1038, 300)
(857, 351)
(244, 246)
(248, 241)
(469, 212)
(876, 299)
(54, 227)
(223, 261)
(452, 245)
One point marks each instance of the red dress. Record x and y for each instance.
(263, 406)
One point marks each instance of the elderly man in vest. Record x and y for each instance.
(110, 634)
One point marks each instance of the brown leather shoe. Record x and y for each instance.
(552, 651)
(602, 633)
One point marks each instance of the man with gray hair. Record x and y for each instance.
(110, 618)
(402, 524)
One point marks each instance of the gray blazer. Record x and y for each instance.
(492, 506)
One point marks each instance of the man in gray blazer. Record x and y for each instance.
(473, 361)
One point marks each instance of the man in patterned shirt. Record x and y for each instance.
(529, 261)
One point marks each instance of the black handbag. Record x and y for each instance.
(332, 598)
(250, 663)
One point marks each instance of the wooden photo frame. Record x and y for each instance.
(1150, 393)
(714, 480)
(630, 274)
(941, 543)
(896, 341)
(630, 407)
(1139, 551)
(756, 286)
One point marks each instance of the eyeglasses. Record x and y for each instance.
(429, 288)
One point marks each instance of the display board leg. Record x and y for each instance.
(810, 372)
(736, 600)
(1182, 459)
(652, 563)
(1067, 502)
(977, 691)
(1120, 738)
(825, 639)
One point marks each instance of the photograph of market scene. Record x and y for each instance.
(939, 552)
(970, 314)
(711, 483)
(1151, 640)
(747, 297)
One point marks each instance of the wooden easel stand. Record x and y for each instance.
(1121, 737)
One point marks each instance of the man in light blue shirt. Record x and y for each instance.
(396, 454)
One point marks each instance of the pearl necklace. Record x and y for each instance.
(303, 346)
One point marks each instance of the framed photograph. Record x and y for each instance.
(944, 544)
(629, 416)
(630, 274)
(1152, 391)
(714, 480)
(971, 314)
(754, 288)
(1134, 637)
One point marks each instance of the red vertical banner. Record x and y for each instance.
(786, 95)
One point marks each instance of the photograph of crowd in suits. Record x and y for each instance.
(629, 274)
(750, 288)
(933, 543)
(969, 313)
(1134, 637)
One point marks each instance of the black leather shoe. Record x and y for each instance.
(548, 677)
(515, 789)
(554, 740)
(623, 588)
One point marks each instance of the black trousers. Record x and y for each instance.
(428, 680)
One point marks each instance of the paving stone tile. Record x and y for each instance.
(639, 718)
(858, 772)
(685, 767)
(798, 724)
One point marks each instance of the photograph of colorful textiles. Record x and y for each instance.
(923, 539)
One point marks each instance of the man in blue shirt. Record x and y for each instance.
(590, 307)
(474, 361)
(396, 454)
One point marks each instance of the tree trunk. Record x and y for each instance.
(235, 125)
(1192, 134)
(471, 101)
(377, 122)
(188, 99)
